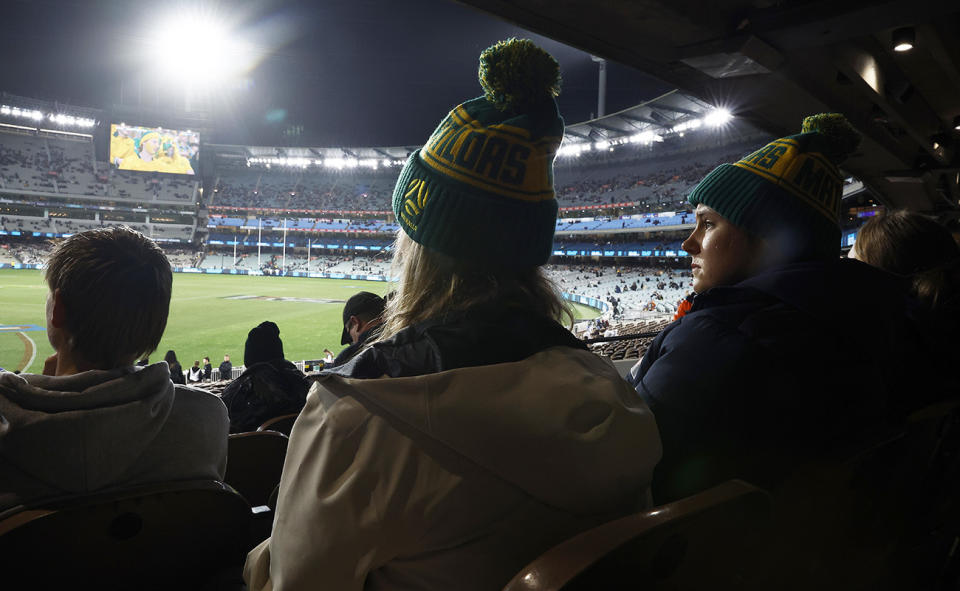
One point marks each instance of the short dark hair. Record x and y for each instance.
(115, 286)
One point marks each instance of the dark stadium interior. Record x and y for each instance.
(775, 61)
(726, 406)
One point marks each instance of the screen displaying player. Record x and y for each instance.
(154, 149)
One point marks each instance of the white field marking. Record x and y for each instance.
(33, 353)
(187, 299)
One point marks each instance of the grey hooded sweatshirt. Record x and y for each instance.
(99, 430)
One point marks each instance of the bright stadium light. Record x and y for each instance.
(211, 53)
(70, 120)
(687, 125)
(718, 117)
(568, 150)
(645, 137)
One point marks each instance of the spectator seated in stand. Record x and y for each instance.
(176, 370)
(362, 323)
(924, 253)
(477, 432)
(94, 420)
(766, 370)
(270, 385)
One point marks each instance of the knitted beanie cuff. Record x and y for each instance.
(466, 223)
(762, 209)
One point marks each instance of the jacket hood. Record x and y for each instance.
(81, 432)
(561, 425)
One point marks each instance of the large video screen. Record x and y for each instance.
(154, 149)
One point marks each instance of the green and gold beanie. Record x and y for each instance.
(788, 191)
(481, 188)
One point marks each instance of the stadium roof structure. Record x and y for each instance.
(242, 156)
(659, 115)
(671, 113)
(772, 63)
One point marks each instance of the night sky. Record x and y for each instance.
(327, 73)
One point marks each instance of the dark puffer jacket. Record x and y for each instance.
(786, 365)
(264, 391)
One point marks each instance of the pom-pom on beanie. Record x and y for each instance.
(263, 344)
(481, 188)
(788, 191)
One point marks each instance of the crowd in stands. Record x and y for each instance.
(346, 264)
(232, 223)
(471, 431)
(181, 257)
(663, 186)
(29, 254)
(279, 191)
(68, 166)
(629, 291)
(61, 225)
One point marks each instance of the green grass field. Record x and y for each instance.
(203, 320)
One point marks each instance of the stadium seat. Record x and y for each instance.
(701, 542)
(282, 424)
(255, 463)
(166, 535)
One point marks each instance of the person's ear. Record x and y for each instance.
(58, 316)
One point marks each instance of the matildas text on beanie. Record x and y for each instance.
(791, 182)
(481, 188)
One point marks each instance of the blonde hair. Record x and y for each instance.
(432, 284)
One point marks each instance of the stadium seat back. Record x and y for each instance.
(704, 541)
(174, 535)
(255, 463)
(282, 424)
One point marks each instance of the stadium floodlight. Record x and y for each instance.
(718, 117)
(212, 52)
(645, 137)
(70, 121)
(601, 145)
